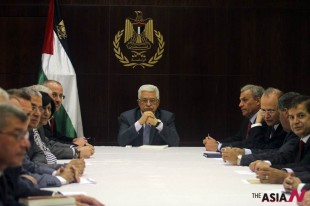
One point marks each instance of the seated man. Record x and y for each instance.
(250, 96)
(14, 143)
(147, 124)
(51, 129)
(260, 138)
(286, 151)
(45, 176)
(299, 117)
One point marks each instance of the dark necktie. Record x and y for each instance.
(300, 150)
(248, 130)
(272, 132)
(146, 134)
(52, 125)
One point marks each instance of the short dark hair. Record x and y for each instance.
(301, 99)
(286, 99)
(9, 110)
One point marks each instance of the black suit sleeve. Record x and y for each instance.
(169, 133)
(127, 131)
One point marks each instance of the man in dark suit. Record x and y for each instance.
(14, 143)
(286, 151)
(147, 124)
(299, 117)
(250, 97)
(50, 129)
(260, 138)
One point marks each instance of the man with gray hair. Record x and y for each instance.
(250, 96)
(147, 124)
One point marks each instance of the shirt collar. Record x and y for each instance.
(305, 139)
(253, 118)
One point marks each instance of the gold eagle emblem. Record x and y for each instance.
(139, 40)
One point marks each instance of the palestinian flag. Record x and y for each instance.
(56, 65)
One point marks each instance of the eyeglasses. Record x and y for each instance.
(145, 101)
(61, 96)
(36, 108)
(268, 111)
(17, 136)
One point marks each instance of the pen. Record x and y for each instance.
(88, 138)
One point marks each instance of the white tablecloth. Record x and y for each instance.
(176, 176)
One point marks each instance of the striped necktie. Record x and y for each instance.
(50, 157)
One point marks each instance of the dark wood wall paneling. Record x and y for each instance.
(212, 48)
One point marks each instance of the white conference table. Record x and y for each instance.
(170, 177)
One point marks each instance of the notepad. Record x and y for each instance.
(48, 201)
(210, 154)
(153, 146)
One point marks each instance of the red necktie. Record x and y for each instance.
(301, 147)
(248, 131)
(52, 124)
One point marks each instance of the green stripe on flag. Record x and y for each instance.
(64, 124)
(42, 78)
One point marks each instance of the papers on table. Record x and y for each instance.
(153, 146)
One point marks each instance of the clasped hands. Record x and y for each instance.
(267, 174)
(149, 118)
(231, 154)
(72, 171)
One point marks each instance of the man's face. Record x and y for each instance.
(148, 101)
(269, 109)
(248, 105)
(57, 94)
(26, 106)
(284, 120)
(36, 103)
(299, 120)
(14, 142)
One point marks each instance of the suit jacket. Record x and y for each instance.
(34, 152)
(260, 137)
(284, 154)
(6, 195)
(296, 163)
(128, 135)
(56, 136)
(240, 140)
(42, 173)
(20, 187)
(59, 149)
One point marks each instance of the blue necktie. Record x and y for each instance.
(146, 134)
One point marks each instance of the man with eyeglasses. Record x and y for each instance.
(299, 117)
(14, 143)
(259, 138)
(50, 129)
(147, 124)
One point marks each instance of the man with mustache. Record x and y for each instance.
(147, 124)
(51, 129)
(250, 98)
